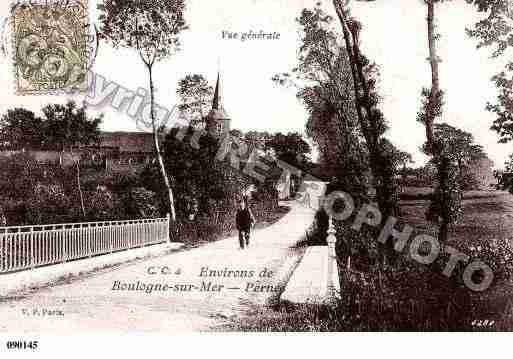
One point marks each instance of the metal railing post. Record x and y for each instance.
(63, 240)
(89, 241)
(112, 232)
(32, 241)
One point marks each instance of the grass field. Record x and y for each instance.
(417, 297)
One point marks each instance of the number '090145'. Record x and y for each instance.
(22, 345)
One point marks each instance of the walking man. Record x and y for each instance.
(244, 221)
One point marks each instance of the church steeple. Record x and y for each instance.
(218, 121)
(217, 104)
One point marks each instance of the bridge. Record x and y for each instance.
(189, 290)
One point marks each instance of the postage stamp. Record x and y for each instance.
(50, 46)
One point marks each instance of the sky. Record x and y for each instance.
(394, 36)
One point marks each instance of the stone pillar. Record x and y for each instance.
(333, 276)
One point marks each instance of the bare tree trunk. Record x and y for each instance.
(157, 147)
(361, 89)
(435, 82)
(347, 38)
(371, 125)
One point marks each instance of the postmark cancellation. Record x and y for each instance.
(50, 46)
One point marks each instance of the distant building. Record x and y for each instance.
(114, 151)
(127, 142)
(123, 151)
(218, 121)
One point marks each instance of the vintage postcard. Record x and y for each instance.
(255, 166)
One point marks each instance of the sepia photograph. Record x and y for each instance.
(249, 166)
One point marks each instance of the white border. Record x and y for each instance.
(266, 346)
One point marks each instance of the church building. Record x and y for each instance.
(218, 121)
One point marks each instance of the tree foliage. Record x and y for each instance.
(495, 31)
(323, 80)
(38, 193)
(198, 176)
(457, 145)
(455, 151)
(196, 98)
(49, 203)
(446, 206)
(67, 126)
(141, 203)
(290, 148)
(62, 127)
(21, 128)
(151, 27)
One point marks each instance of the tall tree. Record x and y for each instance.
(400, 159)
(21, 129)
(152, 28)
(199, 178)
(371, 120)
(457, 145)
(446, 206)
(62, 127)
(67, 126)
(324, 85)
(196, 98)
(290, 148)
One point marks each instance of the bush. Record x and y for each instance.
(141, 203)
(49, 204)
(100, 205)
(497, 253)
(19, 175)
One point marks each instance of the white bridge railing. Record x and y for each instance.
(28, 247)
